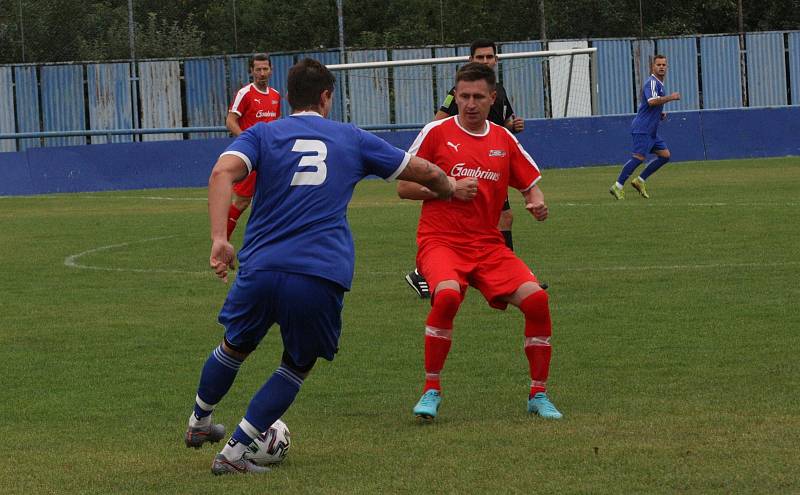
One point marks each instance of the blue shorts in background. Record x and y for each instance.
(644, 144)
(308, 309)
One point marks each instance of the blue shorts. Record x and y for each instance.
(644, 144)
(308, 309)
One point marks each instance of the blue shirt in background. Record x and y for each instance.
(648, 117)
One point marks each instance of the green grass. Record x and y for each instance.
(675, 347)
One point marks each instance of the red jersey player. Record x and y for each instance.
(458, 240)
(254, 103)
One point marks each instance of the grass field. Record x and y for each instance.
(676, 336)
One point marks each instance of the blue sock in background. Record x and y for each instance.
(652, 167)
(628, 169)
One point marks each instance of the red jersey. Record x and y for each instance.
(494, 157)
(253, 105)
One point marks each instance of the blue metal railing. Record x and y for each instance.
(174, 130)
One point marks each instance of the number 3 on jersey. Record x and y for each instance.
(317, 161)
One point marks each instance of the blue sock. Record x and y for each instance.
(271, 401)
(628, 169)
(652, 167)
(216, 379)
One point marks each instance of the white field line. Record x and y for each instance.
(89, 196)
(702, 266)
(72, 260)
(651, 204)
(633, 268)
(357, 203)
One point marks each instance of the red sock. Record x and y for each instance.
(233, 216)
(436, 350)
(538, 329)
(438, 335)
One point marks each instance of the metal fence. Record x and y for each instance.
(79, 103)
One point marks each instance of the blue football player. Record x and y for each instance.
(297, 257)
(644, 130)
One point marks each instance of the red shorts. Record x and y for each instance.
(492, 269)
(246, 187)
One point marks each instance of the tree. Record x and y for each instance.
(63, 30)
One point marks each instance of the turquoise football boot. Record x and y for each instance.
(541, 405)
(428, 405)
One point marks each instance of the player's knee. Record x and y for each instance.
(236, 352)
(638, 157)
(506, 219)
(665, 155)
(444, 308)
(447, 301)
(536, 309)
(301, 370)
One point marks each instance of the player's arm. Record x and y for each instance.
(227, 170)
(232, 123)
(515, 124)
(464, 189)
(534, 203)
(512, 122)
(448, 108)
(421, 172)
(441, 114)
(660, 100)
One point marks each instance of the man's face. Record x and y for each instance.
(484, 55)
(474, 99)
(660, 67)
(261, 71)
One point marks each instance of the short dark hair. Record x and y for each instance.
(307, 80)
(656, 57)
(476, 71)
(261, 57)
(481, 43)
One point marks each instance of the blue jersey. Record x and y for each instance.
(648, 117)
(307, 169)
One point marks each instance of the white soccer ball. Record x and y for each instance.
(271, 446)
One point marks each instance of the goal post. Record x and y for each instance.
(540, 84)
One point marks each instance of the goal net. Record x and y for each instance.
(405, 92)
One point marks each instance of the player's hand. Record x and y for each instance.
(663, 116)
(675, 96)
(539, 210)
(516, 125)
(466, 189)
(222, 258)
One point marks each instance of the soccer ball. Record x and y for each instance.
(271, 446)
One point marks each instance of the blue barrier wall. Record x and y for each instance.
(104, 167)
(560, 143)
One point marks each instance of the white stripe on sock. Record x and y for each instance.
(226, 360)
(250, 430)
(544, 341)
(289, 375)
(441, 333)
(205, 406)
